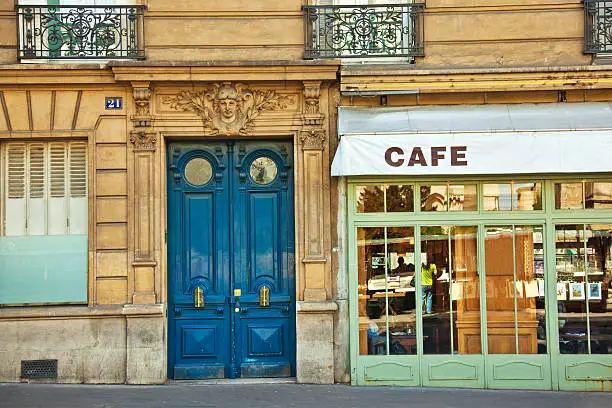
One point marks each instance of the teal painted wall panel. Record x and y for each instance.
(43, 269)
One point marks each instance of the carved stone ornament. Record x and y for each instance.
(143, 139)
(313, 139)
(312, 114)
(142, 100)
(312, 91)
(228, 109)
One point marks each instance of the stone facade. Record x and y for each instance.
(234, 69)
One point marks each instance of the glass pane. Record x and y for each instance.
(198, 171)
(599, 268)
(497, 197)
(571, 304)
(402, 317)
(263, 170)
(400, 198)
(568, 196)
(370, 199)
(462, 197)
(527, 196)
(598, 194)
(437, 320)
(451, 320)
(499, 272)
(530, 293)
(386, 298)
(465, 291)
(371, 262)
(434, 198)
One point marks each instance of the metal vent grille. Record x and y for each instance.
(37, 369)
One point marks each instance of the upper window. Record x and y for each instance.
(583, 194)
(597, 26)
(80, 30)
(43, 239)
(363, 29)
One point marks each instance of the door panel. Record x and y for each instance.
(264, 232)
(230, 234)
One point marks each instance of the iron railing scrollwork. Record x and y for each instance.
(80, 32)
(390, 30)
(597, 26)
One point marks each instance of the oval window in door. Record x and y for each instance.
(263, 170)
(198, 171)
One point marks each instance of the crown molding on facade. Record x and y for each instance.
(381, 79)
(240, 71)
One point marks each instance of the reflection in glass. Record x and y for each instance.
(263, 170)
(598, 194)
(514, 270)
(400, 198)
(462, 197)
(568, 196)
(583, 281)
(198, 171)
(449, 283)
(386, 299)
(434, 198)
(370, 199)
(527, 196)
(497, 197)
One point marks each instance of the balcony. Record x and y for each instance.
(83, 33)
(368, 31)
(597, 26)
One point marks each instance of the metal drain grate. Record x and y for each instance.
(36, 369)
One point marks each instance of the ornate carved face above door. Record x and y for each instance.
(228, 109)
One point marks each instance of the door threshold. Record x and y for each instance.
(235, 381)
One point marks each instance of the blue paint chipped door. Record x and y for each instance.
(231, 270)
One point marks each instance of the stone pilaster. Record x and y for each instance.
(315, 310)
(144, 142)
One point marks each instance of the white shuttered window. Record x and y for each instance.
(45, 188)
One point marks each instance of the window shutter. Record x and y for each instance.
(16, 170)
(58, 169)
(78, 170)
(36, 203)
(57, 209)
(78, 188)
(15, 206)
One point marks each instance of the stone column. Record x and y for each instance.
(315, 312)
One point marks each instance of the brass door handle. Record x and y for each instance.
(264, 296)
(198, 297)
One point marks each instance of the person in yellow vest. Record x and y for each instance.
(427, 274)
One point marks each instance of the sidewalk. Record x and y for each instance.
(178, 395)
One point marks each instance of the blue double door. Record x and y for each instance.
(231, 270)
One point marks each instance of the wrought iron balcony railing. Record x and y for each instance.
(390, 30)
(597, 26)
(80, 32)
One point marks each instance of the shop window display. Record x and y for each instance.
(451, 298)
(514, 270)
(584, 270)
(387, 308)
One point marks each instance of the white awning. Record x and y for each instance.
(474, 153)
(500, 139)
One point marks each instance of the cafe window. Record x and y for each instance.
(583, 194)
(583, 267)
(385, 198)
(514, 270)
